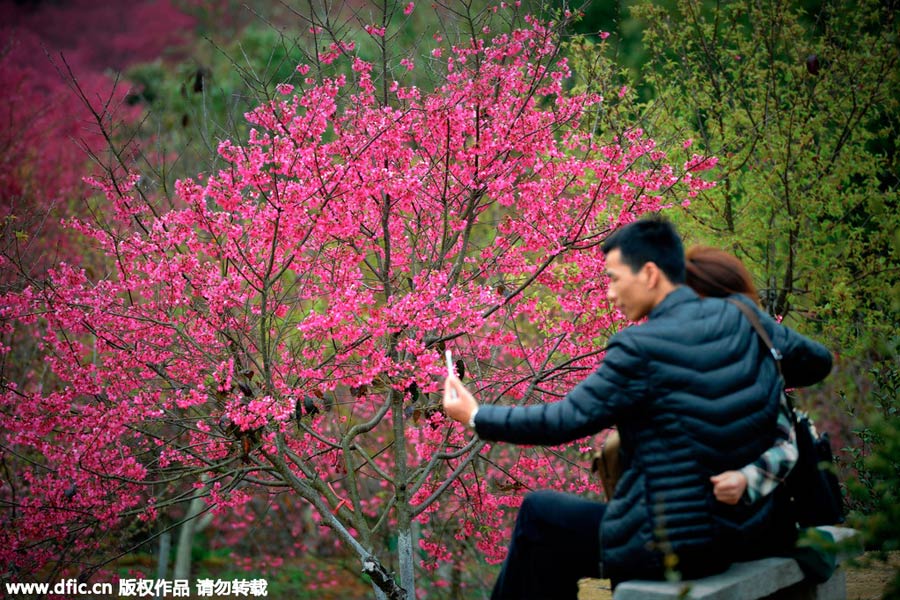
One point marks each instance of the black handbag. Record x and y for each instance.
(812, 484)
(811, 489)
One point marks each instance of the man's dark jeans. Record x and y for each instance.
(555, 543)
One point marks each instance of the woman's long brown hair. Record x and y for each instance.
(714, 272)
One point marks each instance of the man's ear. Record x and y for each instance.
(654, 274)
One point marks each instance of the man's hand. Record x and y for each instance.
(460, 405)
(729, 486)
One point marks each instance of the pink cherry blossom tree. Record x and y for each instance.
(280, 329)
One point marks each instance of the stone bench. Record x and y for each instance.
(768, 578)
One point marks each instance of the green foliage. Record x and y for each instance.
(874, 488)
(625, 48)
(875, 491)
(802, 112)
(876, 460)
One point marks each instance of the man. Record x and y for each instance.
(693, 392)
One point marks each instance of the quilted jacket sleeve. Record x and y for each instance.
(804, 361)
(613, 390)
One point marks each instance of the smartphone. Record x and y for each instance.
(448, 356)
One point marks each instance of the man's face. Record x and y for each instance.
(630, 292)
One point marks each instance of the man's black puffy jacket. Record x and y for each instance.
(694, 392)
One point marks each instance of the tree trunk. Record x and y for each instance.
(186, 539)
(405, 554)
(162, 563)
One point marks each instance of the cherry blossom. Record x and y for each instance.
(282, 328)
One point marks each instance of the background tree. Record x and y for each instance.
(799, 102)
(801, 107)
(277, 326)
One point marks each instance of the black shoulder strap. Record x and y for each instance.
(775, 352)
(760, 330)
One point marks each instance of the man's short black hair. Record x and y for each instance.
(651, 239)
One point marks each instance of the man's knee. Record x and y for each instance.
(536, 503)
(532, 520)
